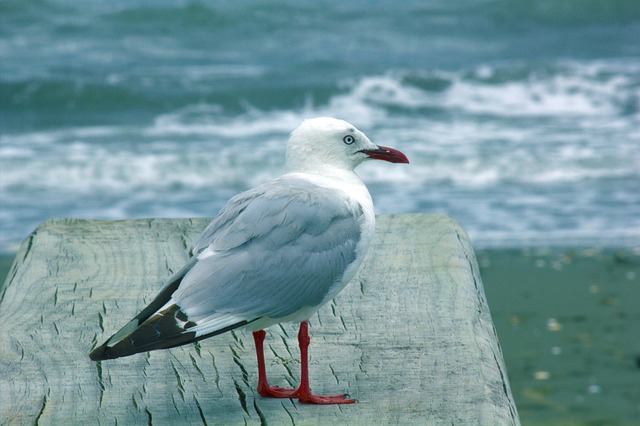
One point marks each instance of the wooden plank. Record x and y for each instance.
(411, 337)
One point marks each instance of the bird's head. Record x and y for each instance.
(324, 143)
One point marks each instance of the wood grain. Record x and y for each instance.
(411, 338)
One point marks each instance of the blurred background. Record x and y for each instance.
(521, 120)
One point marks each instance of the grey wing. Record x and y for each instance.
(271, 251)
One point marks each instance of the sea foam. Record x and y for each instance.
(514, 153)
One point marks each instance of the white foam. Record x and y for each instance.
(573, 89)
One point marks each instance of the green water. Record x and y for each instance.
(568, 324)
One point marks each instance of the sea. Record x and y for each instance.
(521, 118)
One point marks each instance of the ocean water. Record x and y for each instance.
(521, 118)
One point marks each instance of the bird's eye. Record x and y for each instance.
(349, 139)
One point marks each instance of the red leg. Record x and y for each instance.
(263, 385)
(303, 393)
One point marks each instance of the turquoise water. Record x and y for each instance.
(521, 118)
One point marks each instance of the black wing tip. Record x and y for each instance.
(119, 350)
(101, 353)
(162, 330)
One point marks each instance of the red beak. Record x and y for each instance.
(387, 154)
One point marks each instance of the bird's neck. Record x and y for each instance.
(329, 176)
(340, 179)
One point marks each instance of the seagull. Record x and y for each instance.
(275, 253)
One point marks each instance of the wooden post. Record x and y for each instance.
(411, 338)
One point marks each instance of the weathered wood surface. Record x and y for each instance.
(411, 337)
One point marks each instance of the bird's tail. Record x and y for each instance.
(161, 331)
(161, 325)
(156, 327)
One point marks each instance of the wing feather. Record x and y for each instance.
(278, 248)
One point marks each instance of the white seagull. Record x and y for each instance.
(274, 253)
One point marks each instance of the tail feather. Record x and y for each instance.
(160, 325)
(166, 329)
